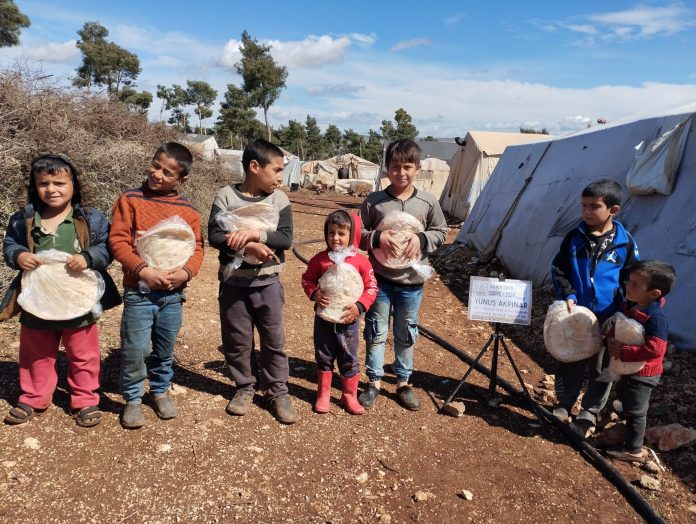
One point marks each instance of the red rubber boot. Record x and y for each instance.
(349, 399)
(321, 405)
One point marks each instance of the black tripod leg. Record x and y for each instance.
(466, 375)
(524, 386)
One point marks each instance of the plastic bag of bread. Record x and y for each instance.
(571, 337)
(168, 244)
(404, 225)
(629, 332)
(259, 215)
(342, 284)
(54, 292)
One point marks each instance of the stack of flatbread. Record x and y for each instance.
(404, 225)
(343, 285)
(571, 337)
(167, 245)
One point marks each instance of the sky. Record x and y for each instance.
(454, 66)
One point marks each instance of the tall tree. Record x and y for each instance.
(403, 128)
(353, 142)
(135, 101)
(11, 22)
(237, 121)
(177, 102)
(293, 138)
(373, 147)
(315, 144)
(202, 95)
(332, 139)
(263, 79)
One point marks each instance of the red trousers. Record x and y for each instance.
(38, 352)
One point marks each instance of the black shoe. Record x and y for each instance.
(241, 402)
(408, 398)
(283, 410)
(368, 397)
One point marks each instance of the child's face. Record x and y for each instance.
(163, 174)
(338, 237)
(55, 190)
(268, 177)
(402, 174)
(637, 289)
(595, 212)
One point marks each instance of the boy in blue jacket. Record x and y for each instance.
(592, 263)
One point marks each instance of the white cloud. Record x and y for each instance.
(342, 89)
(454, 19)
(364, 40)
(172, 43)
(645, 21)
(583, 28)
(407, 44)
(54, 52)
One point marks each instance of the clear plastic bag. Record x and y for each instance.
(259, 215)
(629, 332)
(404, 225)
(54, 292)
(571, 337)
(342, 284)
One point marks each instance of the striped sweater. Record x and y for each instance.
(136, 211)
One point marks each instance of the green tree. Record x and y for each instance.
(292, 137)
(178, 99)
(314, 149)
(429, 138)
(103, 62)
(202, 95)
(353, 142)
(11, 22)
(263, 79)
(373, 147)
(402, 128)
(388, 130)
(332, 139)
(136, 101)
(531, 130)
(237, 121)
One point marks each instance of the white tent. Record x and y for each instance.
(231, 159)
(532, 200)
(357, 170)
(205, 145)
(472, 165)
(432, 176)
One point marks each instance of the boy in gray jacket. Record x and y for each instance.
(400, 290)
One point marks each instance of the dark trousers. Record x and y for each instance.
(336, 342)
(241, 310)
(569, 379)
(634, 394)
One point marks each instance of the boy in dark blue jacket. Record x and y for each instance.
(591, 264)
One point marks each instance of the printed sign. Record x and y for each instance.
(503, 301)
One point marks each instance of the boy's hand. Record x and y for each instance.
(261, 251)
(387, 243)
(614, 347)
(28, 261)
(350, 313)
(176, 278)
(240, 238)
(412, 249)
(320, 298)
(77, 263)
(153, 278)
(570, 303)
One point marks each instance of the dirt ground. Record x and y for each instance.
(389, 465)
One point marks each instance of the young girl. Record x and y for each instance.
(53, 218)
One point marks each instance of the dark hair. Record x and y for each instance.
(340, 218)
(178, 152)
(608, 190)
(404, 150)
(260, 150)
(659, 275)
(53, 163)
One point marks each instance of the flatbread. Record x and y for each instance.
(571, 337)
(404, 225)
(343, 285)
(167, 245)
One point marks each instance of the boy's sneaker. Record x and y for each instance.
(582, 427)
(164, 407)
(408, 398)
(368, 397)
(561, 414)
(283, 410)
(240, 403)
(133, 416)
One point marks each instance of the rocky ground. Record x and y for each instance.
(390, 465)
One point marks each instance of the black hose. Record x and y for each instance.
(642, 506)
(304, 243)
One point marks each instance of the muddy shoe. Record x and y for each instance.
(240, 403)
(368, 397)
(133, 416)
(561, 414)
(164, 407)
(408, 398)
(582, 427)
(282, 410)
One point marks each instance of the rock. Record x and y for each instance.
(648, 482)
(254, 449)
(384, 518)
(454, 409)
(691, 508)
(612, 435)
(9, 463)
(164, 448)
(31, 443)
(422, 496)
(466, 494)
(176, 389)
(362, 478)
(652, 467)
(671, 436)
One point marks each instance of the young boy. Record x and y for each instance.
(400, 290)
(588, 270)
(339, 341)
(152, 318)
(649, 282)
(251, 295)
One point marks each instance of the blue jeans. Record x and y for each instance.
(148, 321)
(401, 303)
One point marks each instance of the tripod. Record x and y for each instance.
(497, 339)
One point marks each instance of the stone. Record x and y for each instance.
(176, 389)
(254, 449)
(362, 478)
(454, 409)
(671, 436)
(31, 443)
(422, 496)
(648, 482)
(612, 435)
(164, 448)
(652, 467)
(691, 508)
(466, 494)
(9, 463)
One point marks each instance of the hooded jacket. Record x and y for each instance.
(321, 262)
(656, 330)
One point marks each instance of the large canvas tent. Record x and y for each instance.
(532, 200)
(341, 172)
(472, 165)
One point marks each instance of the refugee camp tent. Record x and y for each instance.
(432, 176)
(341, 173)
(442, 149)
(231, 160)
(205, 145)
(471, 166)
(533, 199)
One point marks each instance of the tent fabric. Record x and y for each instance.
(432, 176)
(326, 171)
(533, 199)
(472, 165)
(231, 159)
(292, 173)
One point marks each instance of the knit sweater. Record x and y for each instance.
(656, 330)
(136, 211)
